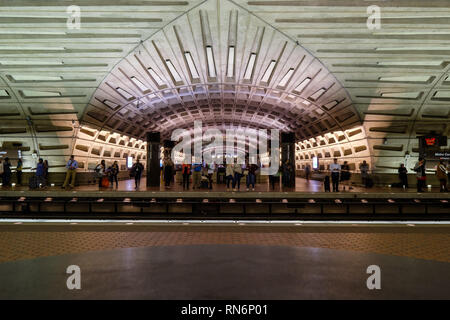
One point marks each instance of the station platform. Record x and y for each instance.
(306, 202)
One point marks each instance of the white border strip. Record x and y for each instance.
(228, 222)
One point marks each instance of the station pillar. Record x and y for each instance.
(288, 156)
(153, 162)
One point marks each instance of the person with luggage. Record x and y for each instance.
(364, 169)
(6, 172)
(19, 169)
(72, 166)
(441, 174)
(421, 174)
(403, 176)
(113, 172)
(136, 170)
(345, 176)
(101, 174)
(335, 169)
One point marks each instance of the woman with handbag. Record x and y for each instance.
(101, 174)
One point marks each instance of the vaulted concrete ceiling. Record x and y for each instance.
(318, 70)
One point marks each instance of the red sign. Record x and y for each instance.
(430, 141)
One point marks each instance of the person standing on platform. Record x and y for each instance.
(197, 175)
(168, 171)
(40, 168)
(421, 174)
(335, 169)
(101, 173)
(345, 175)
(307, 171)
(364, 169)
(6, 172)
(186, 172)
(403, 176)
(237, 169)
(137, 170)
(441, 173)
(210, 173)
(113, 173)
(229, 174)
(251, 177)
(72, 166)
(19, 169)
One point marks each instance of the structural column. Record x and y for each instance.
(153, 163)
(288, 157)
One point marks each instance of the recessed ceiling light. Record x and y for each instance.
(139, 84)
(230, 66)
(249, 70)
(211, 64)
(175, 75)
(302, 85)
(284, 81)
(268, 74)
(316, 95)
(125, 93)
(191, 65)
(156, 77)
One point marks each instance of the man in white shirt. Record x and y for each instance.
(335, 169)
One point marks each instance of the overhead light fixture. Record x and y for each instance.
(175, 75)
(249, 70)
(211, 65)
(316, 95)
(139, 84)
(191, 65)
(267, 75)
(156, 77)
(230, 66)
(125, 93)
(302, 85)
(110, 104)
(284, 81)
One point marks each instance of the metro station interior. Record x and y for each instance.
(334, 81)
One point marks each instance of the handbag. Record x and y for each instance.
(105, 182)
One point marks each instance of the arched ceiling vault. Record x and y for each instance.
(377, 89)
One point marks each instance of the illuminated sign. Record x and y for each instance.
(430, 141)
(129, 162)
(315, 163)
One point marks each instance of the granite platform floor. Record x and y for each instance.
(145, 261)
(231, 272)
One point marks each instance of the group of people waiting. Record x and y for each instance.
(108, 176)
(341, 174)
(442, 174)
(202, 175)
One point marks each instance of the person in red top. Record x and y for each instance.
(186, 172)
